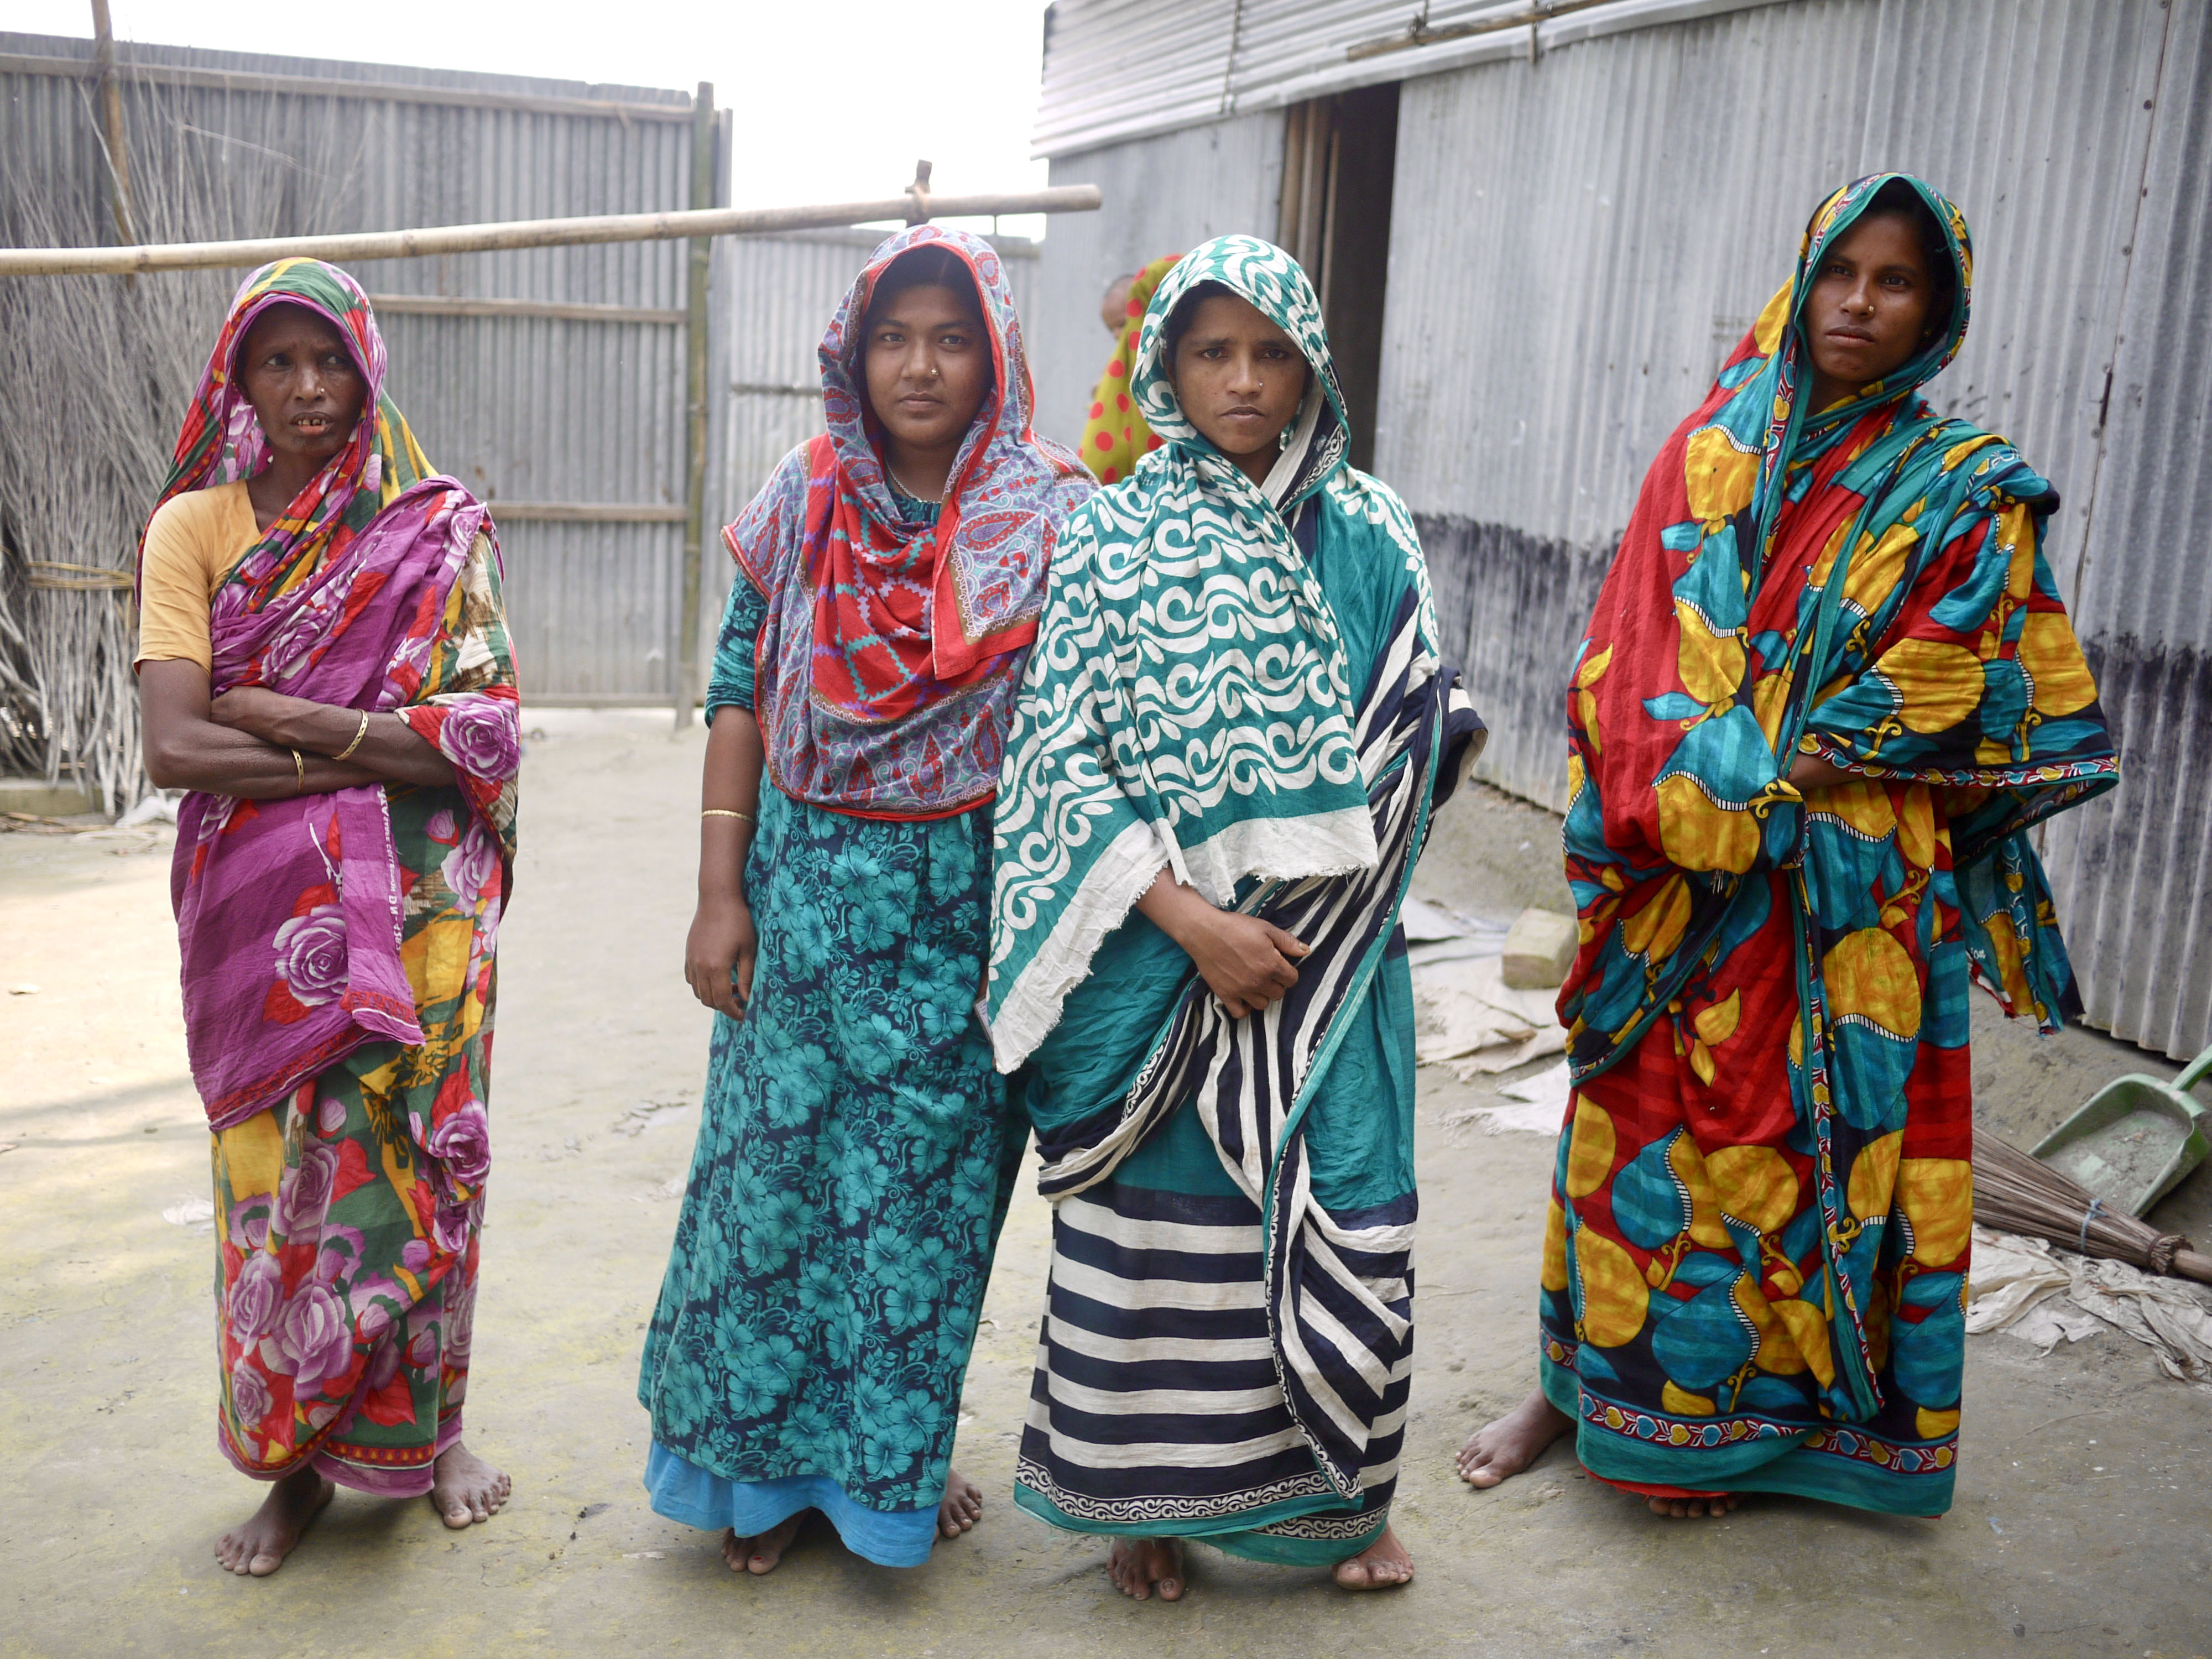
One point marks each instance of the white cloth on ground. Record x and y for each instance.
(2044, 1295)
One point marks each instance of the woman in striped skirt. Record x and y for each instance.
(1231, 732)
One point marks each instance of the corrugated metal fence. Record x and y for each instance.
(1579, 237)
(550, 380)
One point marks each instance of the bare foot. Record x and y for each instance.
(1504, 1447)
(759, 1555)
(1138, 1566)
(961, 1508)
(464, 1489)
(1693, 1509)
(259, 1548)
(1382, 1565)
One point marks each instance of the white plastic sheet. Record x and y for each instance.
(2025, 1288)
(1469, 1018)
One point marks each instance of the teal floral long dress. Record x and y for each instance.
(853, 1166)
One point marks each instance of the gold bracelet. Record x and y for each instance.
(299, 771)
(725, 812)
(359, 733)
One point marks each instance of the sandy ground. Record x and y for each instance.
(2078, 1529)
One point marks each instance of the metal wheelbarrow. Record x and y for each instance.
(2134, 1139)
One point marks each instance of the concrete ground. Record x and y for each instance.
(2078, 1529)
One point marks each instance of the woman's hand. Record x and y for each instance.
(1244, 961)
(1811, 772)
(718, 956)
(257, 711)
(241, 753)
(383, 747)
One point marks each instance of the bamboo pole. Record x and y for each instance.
(110, 105)
(348, 247)
(695, 408)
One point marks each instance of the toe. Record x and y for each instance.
(768, 1548)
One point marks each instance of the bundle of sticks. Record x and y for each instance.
(2016, 1194)
(95, 372)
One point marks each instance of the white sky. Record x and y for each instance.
(834, 100)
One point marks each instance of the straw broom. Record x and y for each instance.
(2016, 1194)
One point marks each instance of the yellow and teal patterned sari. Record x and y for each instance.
(1754, 1265)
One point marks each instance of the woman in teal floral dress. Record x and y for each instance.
(856, 1155)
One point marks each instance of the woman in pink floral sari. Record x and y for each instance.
(323, 663)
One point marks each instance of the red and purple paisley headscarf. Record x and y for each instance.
(886, 670)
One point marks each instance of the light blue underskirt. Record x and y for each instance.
(699, 1497)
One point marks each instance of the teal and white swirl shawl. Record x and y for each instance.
(1187, 704)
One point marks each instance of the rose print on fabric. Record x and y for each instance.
(484, 739)
(472, 870)
(311, 956)
(462, 1141)
(249, 1394)
(314, 1338)
(348, 1297)
(255, 1297)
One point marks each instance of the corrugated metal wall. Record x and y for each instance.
(1163, 195)
(1529, 379)
(2133, 873)
(1577, 240)
(1114, 68)
(541, 414)
(1118, 70)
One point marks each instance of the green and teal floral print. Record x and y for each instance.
(852, 1169)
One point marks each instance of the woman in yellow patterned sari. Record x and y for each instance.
(1828, 686)
(1114, 435)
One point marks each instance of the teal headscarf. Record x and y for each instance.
(1187, 704)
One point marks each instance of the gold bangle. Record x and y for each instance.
(300, 772)
(359, 733)
(725, 812)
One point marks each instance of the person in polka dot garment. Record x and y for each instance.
(1114, 436)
